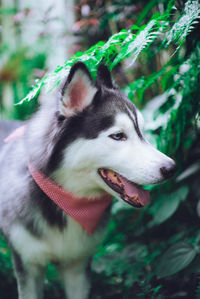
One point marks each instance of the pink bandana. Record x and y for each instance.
(87, 212)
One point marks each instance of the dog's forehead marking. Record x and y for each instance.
(125, 123)
(140, 119)
(123, 105)
(132, 113)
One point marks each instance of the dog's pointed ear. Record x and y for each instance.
(78, 91)
(104, 76)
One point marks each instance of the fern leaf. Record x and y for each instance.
(185, 23)
(123, 45)
(134, 44)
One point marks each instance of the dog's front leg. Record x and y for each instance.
(30, 278)
(76, 283)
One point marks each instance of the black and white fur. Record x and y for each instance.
(69, 139)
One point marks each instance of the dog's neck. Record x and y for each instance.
(77, 182)
(83, 209)
(86, 212)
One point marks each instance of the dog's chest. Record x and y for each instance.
(60, 246)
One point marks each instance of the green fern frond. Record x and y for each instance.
(185, 92)
(134, 44)
(172, 113)
(119, 46)
(184, 24)
(122, 45)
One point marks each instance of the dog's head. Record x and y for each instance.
(102, 142)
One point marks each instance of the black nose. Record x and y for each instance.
(168, 170)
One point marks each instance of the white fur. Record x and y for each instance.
(75, 281)
(65, 246)
(71, 248)
(134, 158)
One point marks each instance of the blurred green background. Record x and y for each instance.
(153, 50)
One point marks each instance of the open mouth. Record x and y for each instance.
(130, 192)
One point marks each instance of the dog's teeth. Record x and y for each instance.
(135, 198)
(109, 172)
(115, 180)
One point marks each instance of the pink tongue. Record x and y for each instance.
(132, 190)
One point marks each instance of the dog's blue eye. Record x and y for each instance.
(119, 136)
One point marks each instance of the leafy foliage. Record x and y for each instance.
(120, 46)
(167, 205)
(153, 253)
(185, 23)
(175, 259)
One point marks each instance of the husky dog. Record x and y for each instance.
(85, 145)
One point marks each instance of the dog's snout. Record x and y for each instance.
(168, 170)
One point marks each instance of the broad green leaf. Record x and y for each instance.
(168, 204)
(176, 258)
